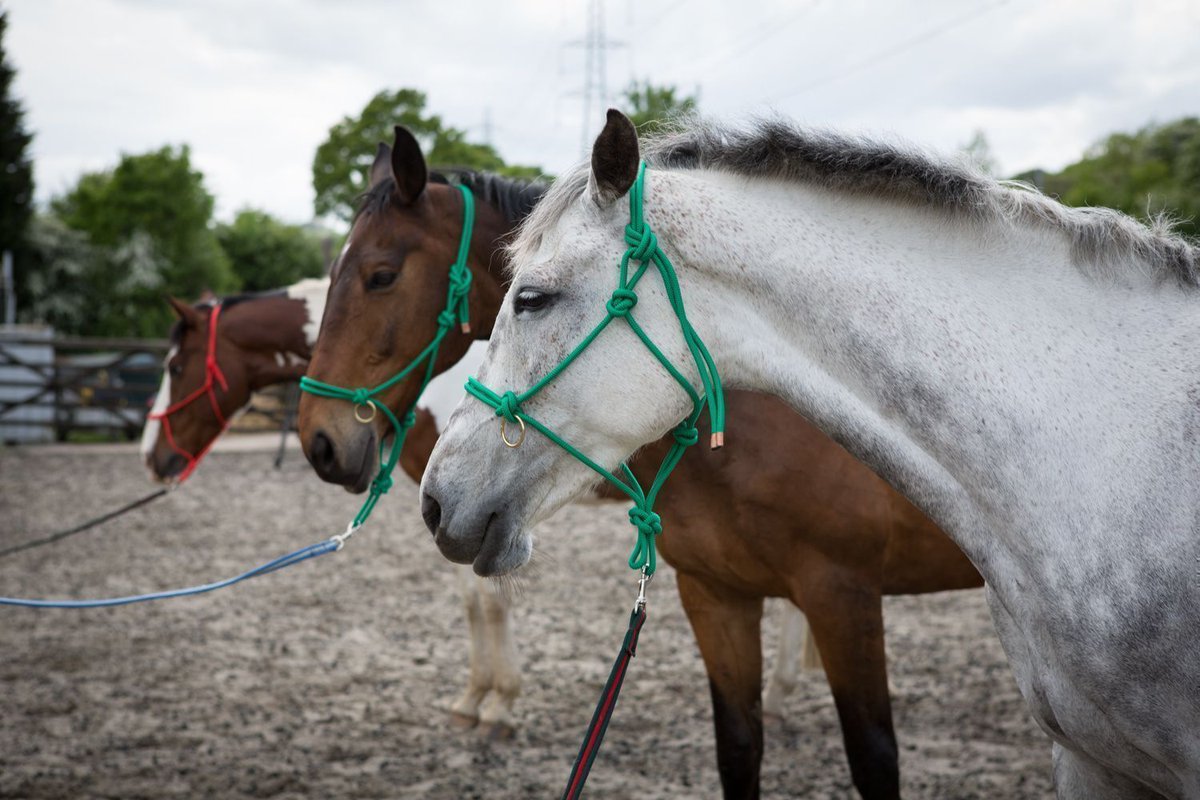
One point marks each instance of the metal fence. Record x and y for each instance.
(53, 386)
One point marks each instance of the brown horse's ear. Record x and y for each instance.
(408, 167)
(381, 168)
(190, 316)
(615, 160)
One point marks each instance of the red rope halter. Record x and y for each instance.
(212, 375)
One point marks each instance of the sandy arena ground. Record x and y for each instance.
(332, 679)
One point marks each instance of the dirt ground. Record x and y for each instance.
(332, 679)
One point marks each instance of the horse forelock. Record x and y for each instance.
(1104, 242)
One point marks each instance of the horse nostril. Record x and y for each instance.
(322, 452)
(431, 512)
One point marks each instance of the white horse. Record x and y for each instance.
(1027, 373)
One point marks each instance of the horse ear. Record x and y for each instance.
(190, 316)
(615, 160)
(408, 166)
(381, 168)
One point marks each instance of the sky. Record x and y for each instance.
(253, 86)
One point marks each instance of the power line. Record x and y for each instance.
(596, 45)
(883, 55)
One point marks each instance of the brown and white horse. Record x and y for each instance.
(787, 513)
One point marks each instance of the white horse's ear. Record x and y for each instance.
(615, 160)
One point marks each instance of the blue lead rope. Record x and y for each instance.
(303, 554)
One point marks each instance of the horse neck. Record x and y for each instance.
(973, 366)
(269, 334)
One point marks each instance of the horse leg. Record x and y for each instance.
(1076, 776)
(726, 625)
(496, 714)
(464, 712)
(847, 623)
(793, 630)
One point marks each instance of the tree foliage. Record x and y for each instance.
(147, 222)
(1152, 171)
(159, 194)
(82, 288)
(16, 171)
(652, 107)
(343, 161)
(266, 253)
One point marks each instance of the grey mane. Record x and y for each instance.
(778, 149)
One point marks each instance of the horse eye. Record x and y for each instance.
(175, 369)
(382, 279)
(531, 300)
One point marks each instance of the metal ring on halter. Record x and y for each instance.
(504, 433)
(366, 420)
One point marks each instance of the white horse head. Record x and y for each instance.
(562, 278)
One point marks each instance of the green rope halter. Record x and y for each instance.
(644, 249)
(456, 310)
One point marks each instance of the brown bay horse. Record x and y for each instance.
(785, 513)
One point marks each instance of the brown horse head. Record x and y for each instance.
(386, 291)
(210, 372)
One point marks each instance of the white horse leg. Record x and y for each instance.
(464, 712)
(496, 714)
(1077, 777)
(793, 629)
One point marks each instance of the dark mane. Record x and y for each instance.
(514, 198)
(1103, 241)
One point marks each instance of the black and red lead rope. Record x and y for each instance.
(604, 708)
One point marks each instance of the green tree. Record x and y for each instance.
(150, 211)
(342, 163)
(266, 253)
(81, 288)
(16, 173)
(651, 107)
(1155, 170)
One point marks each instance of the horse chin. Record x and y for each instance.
(504, 551)
(497, 545)
(165, 473)
(365, 473)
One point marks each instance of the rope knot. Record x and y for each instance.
(460, 282)
(648, 525)
(685, 435)
(446, 318)
(621, 302)
(409, 420)
(508, 407)
(381, 484)
(360, 397)
(647, 522)
(642, 242)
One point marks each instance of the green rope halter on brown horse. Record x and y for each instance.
(643, 249)
(457, 310)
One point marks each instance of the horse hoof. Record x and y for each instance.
(463, 722)
(498, 731)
